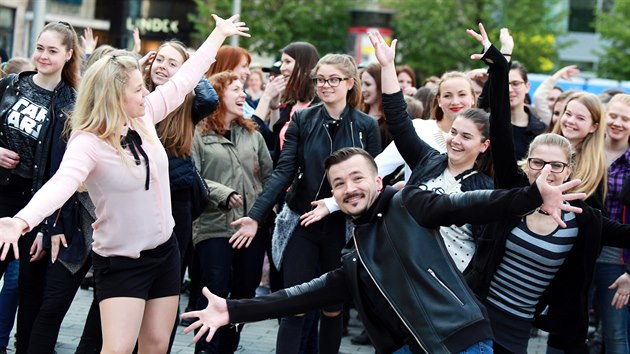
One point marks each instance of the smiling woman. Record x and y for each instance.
(33, 115)
(232, 156)
(117, 156)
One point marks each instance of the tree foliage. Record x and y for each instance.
(274, 24)
(433, 38)
(431, 33)
(614, 27)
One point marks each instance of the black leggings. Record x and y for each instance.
(61, 287)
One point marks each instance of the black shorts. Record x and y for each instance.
(155, 274)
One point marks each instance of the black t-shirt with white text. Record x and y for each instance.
(24, 121)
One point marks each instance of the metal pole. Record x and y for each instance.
(39, 10)
(236, 9)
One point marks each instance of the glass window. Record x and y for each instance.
(7, 16)
(582, 15)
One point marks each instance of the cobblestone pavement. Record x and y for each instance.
(257, 337)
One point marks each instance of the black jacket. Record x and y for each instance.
(61, 104)
(408, 265)
(307, 144)
(562, 309)
(424, 161)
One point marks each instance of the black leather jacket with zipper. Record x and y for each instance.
(307, 143)
(395, 243)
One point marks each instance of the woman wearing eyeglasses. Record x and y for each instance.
(528, 271)
(525, 124)
(313, 134)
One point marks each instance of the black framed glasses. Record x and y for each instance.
(538, 164)
(332, 82)
(517, 84)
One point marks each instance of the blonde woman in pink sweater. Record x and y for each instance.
(115, 153)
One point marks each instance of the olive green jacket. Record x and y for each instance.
(241, 165)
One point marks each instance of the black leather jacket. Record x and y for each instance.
(409, 266)
(61, 104)
(307, 143)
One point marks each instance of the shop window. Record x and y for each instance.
(582, 15)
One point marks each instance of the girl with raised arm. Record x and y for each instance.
(115, 152)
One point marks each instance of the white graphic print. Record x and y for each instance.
(27, 117)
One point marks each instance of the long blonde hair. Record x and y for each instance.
(99, 106)
(590, 159)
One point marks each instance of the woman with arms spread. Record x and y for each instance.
(136, 262)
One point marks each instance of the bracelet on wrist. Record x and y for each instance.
(273, 108)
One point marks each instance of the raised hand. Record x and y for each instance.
(481, 37)
(137, 43)
(245, 234)
(146, 61)
(88, 41)
(507, 42)
(214, 316)
(567, 73)
(231, 26)
(385, 54)
(554, 196)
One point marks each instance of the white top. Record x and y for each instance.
(129, 219)
(428, 130)
(458, 239)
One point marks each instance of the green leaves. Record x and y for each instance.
(614, 27)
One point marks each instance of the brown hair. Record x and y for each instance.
(215, 121)
(228, 58)
(70, 71)
(299, 87)
(346, 153)
(374, 70)
(407, 70)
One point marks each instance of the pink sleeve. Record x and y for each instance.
(167, 97)
(78, 160)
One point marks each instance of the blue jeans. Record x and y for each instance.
(614, 322)
(8, 301)
(483, 347)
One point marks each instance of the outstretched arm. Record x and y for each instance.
(169, 96)
(484, 206)
(330, 288)
(506, 171)
(410, 146)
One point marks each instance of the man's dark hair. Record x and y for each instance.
(344, 154)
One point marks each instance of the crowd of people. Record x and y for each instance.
(459, 216)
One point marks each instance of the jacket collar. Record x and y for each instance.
(380, 204)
